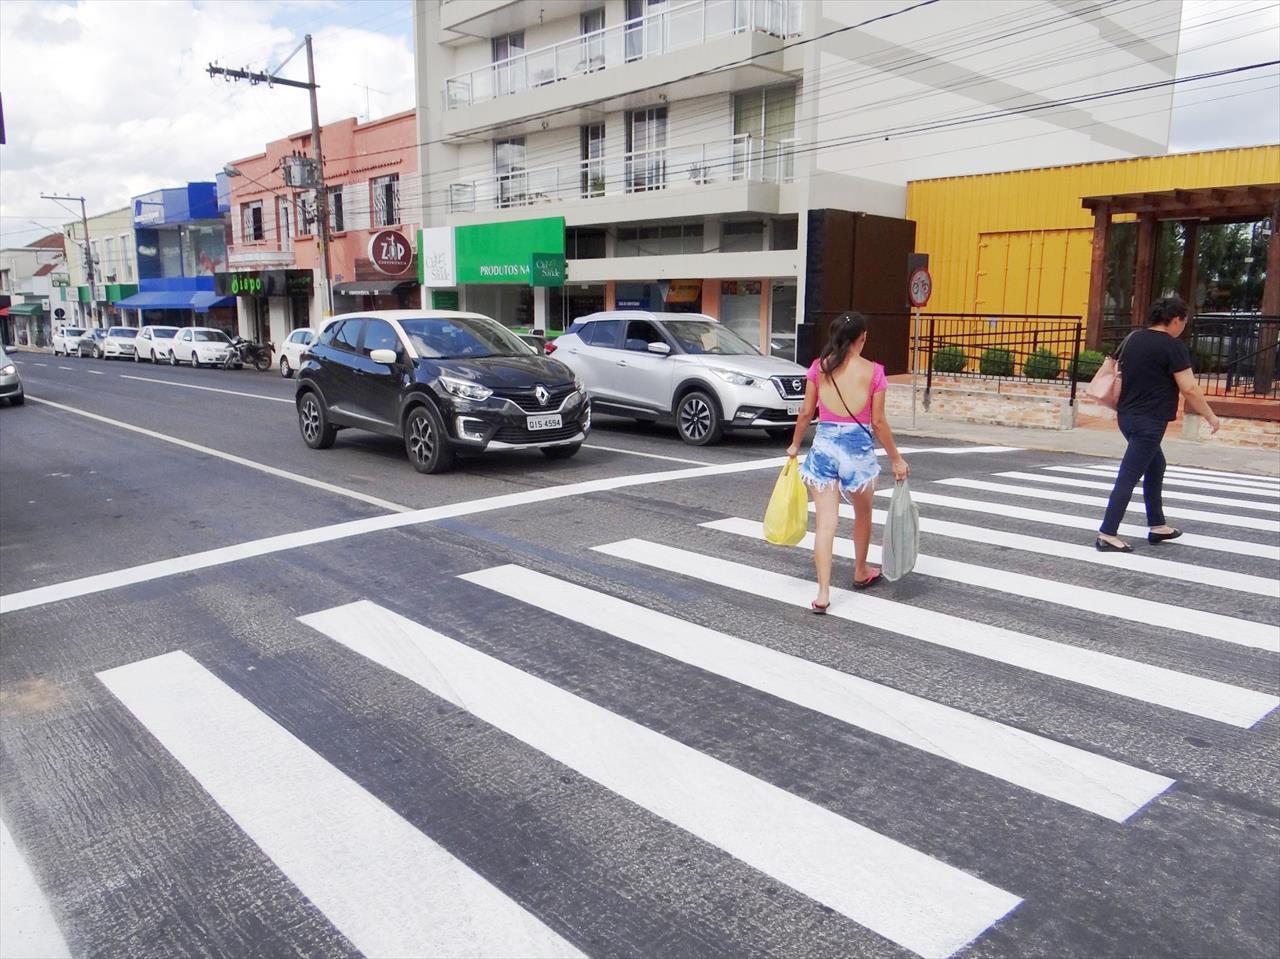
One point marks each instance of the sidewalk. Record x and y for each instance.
(1092, 442)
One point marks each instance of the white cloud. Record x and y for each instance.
(110, 98)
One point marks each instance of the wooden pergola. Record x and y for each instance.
(1228, 204)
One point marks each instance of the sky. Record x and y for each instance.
(110, 99)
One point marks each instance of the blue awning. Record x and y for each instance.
(201, 301)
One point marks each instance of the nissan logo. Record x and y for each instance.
(542, 394)
(797, 386)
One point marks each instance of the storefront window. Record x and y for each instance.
(740, 308)
(782, 321)
(204, 250)
(508, 304)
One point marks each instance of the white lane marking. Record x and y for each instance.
(1062, 496)
(1125, 677)
(652, 456)
(27, 926)
(1179, 479)
(66, 367)
(1075, 776)
(1168, 569)
(383, 884)
(910, 898)
(231, 458)
(965, 449)
(1137, 493)
(207, 389)
(94, 372)
(205, 559)
(1229, 629)
(1216, 543)
(40, 364)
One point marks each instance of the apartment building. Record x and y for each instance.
(275, 265)
(29, 276)
(112, 245)
(692, 149)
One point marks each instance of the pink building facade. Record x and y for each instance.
(275, 263)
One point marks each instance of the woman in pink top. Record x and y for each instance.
(842, 459)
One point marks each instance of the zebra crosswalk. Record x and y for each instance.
(1182, 637)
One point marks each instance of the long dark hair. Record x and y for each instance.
(846, 329)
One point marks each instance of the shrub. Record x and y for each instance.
(1088, 363)
(1042, 365)
(996, 361)
(950, 359)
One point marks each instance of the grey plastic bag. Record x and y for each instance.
(901, 534)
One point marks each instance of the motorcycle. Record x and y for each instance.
(247, 352)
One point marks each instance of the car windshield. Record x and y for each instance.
(708, 336)
(462, 336)
(164, 332)
(210, 336)
(73, 331)
(125, 333)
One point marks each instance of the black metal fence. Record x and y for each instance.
(1232, 354)
(1012, 346)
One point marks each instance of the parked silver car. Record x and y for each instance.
(684, 367)
(10, 381)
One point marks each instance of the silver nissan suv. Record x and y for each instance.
(685, 367)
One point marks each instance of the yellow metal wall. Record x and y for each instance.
(1021, 243)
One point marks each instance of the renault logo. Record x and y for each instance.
(542, 394)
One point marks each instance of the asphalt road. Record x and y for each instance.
(258, 700)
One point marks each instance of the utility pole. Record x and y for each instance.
(88, 252)
(322, 196)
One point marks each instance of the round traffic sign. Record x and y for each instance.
(919, 287)
(59, 313)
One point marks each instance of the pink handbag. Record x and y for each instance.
(1104, 388)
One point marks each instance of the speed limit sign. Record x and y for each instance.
(919, 287)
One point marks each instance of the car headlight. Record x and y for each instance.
(465, 389)
(734, 377)
(8, 370)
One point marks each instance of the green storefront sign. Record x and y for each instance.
(504, 252)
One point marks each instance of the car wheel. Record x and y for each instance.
(98, 354)
(195, 361)
(285, 369)
(425, 441)
(313, 421)
(698, 419)
(561, 452)
(137, 358)
(18, 399)
(173, 360)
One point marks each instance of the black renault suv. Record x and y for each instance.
(443, 381)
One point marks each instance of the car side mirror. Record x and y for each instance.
(385, 357)
(662, 349)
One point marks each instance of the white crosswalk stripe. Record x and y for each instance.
(1216, 474)
(910, 898)
(1168, 494)
(1151, 684)
(1179, 480)
(1100, 502)
(1099, 602)
(387, 887)
(1075, 776)
(1090, 523)
(1170, 569)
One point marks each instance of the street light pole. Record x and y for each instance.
(88, 253)
(322, 194)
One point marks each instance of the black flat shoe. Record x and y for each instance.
(1161, 537)
(1102, 546)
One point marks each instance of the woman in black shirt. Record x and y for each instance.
(1155, 367)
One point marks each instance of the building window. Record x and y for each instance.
(306, 214)
(126, 258)
(666, 240)
(510, 173)
(509, 63)
(583, 243)
(742, 237)
(386, 200)
(337, 222)
(109, 264)
(764, 127)
(592, 29)
(646, 149)
(593, 159)
(251, 221)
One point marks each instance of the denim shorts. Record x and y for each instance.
(843, 453)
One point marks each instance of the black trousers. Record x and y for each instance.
(1142, 460)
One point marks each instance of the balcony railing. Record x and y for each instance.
(672, 28)
(741, 159)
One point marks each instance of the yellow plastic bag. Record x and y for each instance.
(786, 519)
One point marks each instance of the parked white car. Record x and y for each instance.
(291, 351)
(199, 346)
(120, 342)
(685, 367)
(67, 340)
(153, 343)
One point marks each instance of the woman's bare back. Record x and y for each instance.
(854, 380)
